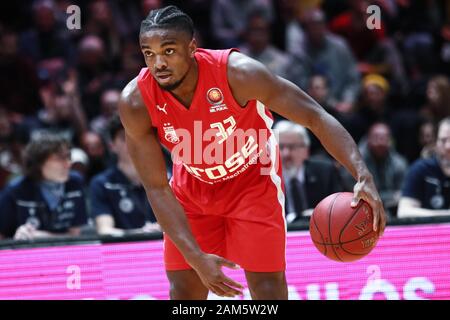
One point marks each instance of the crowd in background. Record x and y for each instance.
(388, 86)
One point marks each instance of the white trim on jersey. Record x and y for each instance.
(276, 179)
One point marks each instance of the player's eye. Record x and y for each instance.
(170, 51)
(148, 53)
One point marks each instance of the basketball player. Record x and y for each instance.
(224, 203)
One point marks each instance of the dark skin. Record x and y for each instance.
(169, 55)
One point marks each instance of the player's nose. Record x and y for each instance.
(160, 63)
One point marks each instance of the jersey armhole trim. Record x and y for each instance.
(144, 86)
(224, 79)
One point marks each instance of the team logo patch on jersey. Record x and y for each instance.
(170, 134)
(214, 96)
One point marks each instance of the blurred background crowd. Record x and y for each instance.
(388, 86)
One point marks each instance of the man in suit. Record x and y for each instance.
(307, 181)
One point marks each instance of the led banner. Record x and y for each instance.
(409, 262)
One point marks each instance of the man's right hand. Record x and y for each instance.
(208, 268)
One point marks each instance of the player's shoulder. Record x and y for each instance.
(244, 71)
(240, 62)
(131, 95)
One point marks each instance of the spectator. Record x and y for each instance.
(19, 80)
(49, 200)
(258, 46)
(307, 181)
(131, 64)
(426, 191)
(352, 25)
(288, 32)
(427, 139)
(437, 106)
(228, 19)
(47, 39)
(94, 146)
(80, 162)
(329, 55)
(93, 73)
(103, 24)
(375, 107)
(375, 52)
(386, 165)
(118, 200)
(318, 88)
(11, 146)
(109, 101)
(62, 112)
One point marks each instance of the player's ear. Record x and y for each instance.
(192, 47)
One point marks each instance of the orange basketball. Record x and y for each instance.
(340, 232)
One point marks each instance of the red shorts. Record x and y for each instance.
(241, 220)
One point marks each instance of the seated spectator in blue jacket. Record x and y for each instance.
(48, 201)
(426, 191)
(118, 200)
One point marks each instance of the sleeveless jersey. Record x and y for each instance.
(215, 139)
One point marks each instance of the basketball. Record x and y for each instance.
(340, 232)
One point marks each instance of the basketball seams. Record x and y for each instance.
(350, 220)
(353, 240)
(320, 233)
(329, 226)
(352, 253)
(323, 215)
(340, 243)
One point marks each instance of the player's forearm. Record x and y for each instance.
(299, 107)
(338, 142)
(173, 221)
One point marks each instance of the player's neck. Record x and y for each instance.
(185, 92)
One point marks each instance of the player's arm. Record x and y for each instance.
(412, 208)
(250, 79)
(147, 157)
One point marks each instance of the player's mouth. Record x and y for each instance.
(163, 77)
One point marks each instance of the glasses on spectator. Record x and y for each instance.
(292, 146)
(443, 140)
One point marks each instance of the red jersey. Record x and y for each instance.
(226, 172)
(215, 139)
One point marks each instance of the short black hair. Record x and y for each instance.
(114, 127)
(169, 17)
